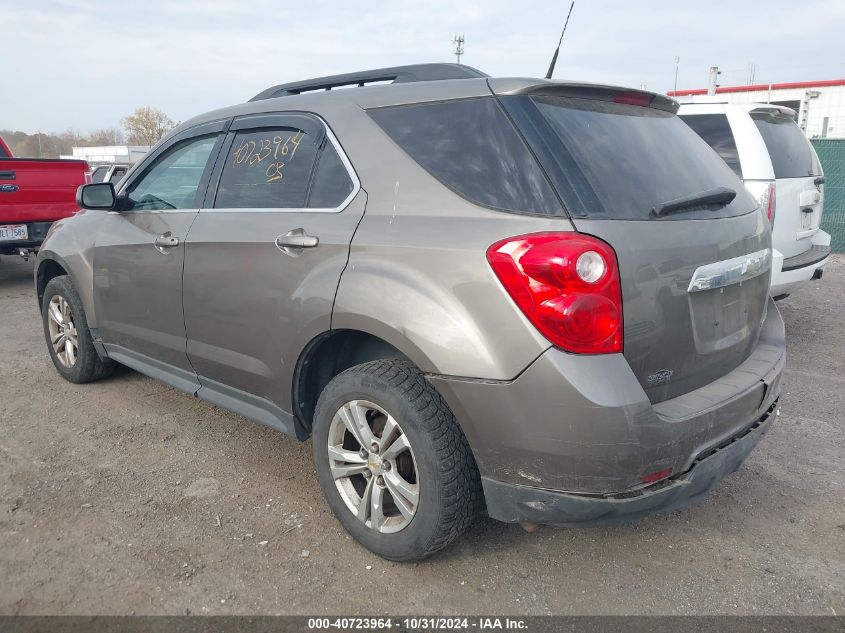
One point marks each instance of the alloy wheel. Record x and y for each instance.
(63, 335)
(373, 466)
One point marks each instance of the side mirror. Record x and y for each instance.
(99, 195)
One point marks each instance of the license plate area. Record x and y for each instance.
(725, 317)
(13, 232)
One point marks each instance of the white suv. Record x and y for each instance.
(779, 166)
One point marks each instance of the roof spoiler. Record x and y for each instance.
(396, 74)
(776, 110)
(578, 90)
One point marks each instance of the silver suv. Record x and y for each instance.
(547, 300)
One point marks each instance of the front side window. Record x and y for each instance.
(269, 168)
(471, 147)
(173, 180)
(716, 132)
(791, 153)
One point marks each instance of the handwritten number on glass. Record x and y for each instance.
(282, 150)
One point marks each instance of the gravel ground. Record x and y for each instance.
(127, 496)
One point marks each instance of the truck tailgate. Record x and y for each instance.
(33, 190)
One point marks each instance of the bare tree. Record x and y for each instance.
(63, 143)
(105, 136)
(146, 126)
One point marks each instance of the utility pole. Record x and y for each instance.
(458, 41)
(677, 62)
(39, 143)
(713, 82)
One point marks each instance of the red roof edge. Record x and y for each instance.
(758, 87)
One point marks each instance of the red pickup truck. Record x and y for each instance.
(34, 193)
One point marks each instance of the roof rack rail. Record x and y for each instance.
(396, 74)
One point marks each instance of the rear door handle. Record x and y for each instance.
(166, 241)
(293, 241)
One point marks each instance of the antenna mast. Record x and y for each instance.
(557, 50)
(677, 63)
(458, 41)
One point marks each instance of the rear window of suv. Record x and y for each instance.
(791, 153)
(716, 132)
(471, 147)
(616, 161)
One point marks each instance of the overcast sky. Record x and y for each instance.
(85, 64)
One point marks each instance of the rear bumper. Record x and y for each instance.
(36, 231)
(516, 503)
(582, 427)
(790, 273)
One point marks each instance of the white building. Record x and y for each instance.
(820, 104)
(126, 154)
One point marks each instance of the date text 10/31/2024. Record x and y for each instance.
(420, 623)
(280, 151)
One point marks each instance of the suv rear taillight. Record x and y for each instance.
(89, 178)
(567, 284)
(764, 192)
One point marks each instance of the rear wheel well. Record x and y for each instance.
(323, 359)
(47, 270)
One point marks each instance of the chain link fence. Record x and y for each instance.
(832, 156)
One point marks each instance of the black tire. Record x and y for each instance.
(88, 366)
(449, 485)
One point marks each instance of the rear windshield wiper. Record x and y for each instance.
(718, 198)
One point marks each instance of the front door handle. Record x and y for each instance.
(166, 241)
(294, 241)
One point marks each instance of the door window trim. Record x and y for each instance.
(275, 119)
(140, 170)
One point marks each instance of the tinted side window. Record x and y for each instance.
(99, 174)
(117, 174)
(472, 148)
(332, 183)
(3, 153)
(716, 132)
(268, 168)
(791, 153)
(171, 182)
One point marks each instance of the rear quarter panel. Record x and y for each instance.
(418, 276)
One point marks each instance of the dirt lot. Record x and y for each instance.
(128, 496)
